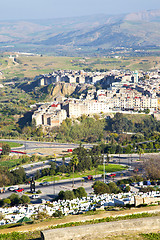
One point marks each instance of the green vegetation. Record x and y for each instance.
(5, 149)
(87, 163)
(101, 188)
(151, 236)
(11, 144)
(13, 177)
(107, 219)
(21, 236)
(87, 130)
(75, 193)
(114, 129)
(14, 200)
(94, 171)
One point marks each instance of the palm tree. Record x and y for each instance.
(140, 152)
(74, 162)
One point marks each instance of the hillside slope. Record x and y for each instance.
(134, 30)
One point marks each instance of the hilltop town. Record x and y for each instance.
(108, 92)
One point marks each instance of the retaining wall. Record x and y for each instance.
(98, 231)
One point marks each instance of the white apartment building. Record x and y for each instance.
(75, 108)
(134, 103)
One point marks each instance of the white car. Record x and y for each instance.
(13, 188)
(44, 183)
(34, 196)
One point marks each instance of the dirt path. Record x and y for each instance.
(78, 218)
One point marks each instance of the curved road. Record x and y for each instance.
(36, 144)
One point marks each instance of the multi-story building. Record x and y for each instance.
(49, 114)
(75, 107)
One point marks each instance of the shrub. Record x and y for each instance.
(57, 214)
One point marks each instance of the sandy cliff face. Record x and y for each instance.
(63, 89)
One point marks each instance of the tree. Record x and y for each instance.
(152, 168)
(120, 123)
(58, 214)
(74, 163)
(25, 199)
(7, 201)
(146, 111)
(100, 187)
(64, 195)
(80, 192)
(15, 200)
(113, 187)
(5, 149)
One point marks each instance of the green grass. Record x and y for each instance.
(21, 236)
(12, 144)
(151, 236)
(10, 163)
(109, 168)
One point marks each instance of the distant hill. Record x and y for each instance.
(135, 30)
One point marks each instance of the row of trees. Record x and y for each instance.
(101, 188)
(17, 176)
(88, 130)
(92, 129)
(75, 193)
(14, 200)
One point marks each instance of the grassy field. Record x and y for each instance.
(109, 168)
(11, 144)
(11, 163)
(30, 66)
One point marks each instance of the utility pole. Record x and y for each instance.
(54, 185)
(104, 168)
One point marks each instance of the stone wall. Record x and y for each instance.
(146, 200)
(99, 231)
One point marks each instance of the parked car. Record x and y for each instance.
(19, 190)
(12, 189)
(44, 183)
(111, 175)
(69, 150)
(89, 177)
(34, 196)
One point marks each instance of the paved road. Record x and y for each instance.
(28, 145)
(125, 159)
(49, 192)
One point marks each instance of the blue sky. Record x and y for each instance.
(44, 9)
